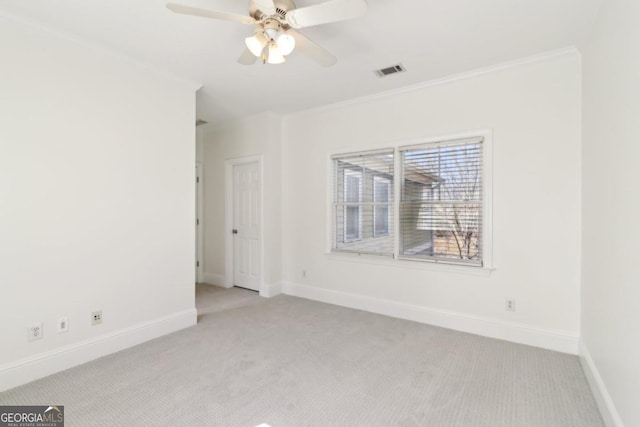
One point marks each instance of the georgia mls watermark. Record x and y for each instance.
(32, 416)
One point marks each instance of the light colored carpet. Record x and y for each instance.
(211, 299)
(286, 361)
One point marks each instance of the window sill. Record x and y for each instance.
(388, 261)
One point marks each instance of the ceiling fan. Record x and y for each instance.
(274, 36)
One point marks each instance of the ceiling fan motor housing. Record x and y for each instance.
(272, 26)
(282, 7)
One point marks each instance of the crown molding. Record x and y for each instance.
(541, 57)
(74, 38)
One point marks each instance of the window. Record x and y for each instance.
(442, 209)
(362, 202)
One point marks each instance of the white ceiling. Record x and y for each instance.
(431, 38)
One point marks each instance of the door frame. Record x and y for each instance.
(228, 219)
(199, 222)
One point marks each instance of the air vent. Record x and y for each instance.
(383, 72)
(281, 12)
(201, 122)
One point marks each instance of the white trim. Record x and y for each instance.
(44, 364)
(487, 202)
(331, 233)
(364, 153)
(439, 142)
(557, 340)
(545, 56)
(200, 222)
(215, 279)
(228, 217)
(269, 290)
(608, 410)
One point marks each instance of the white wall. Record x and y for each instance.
(96, 183)
(257, 135)
(611, 209)
(534, 112)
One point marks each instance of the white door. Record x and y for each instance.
(246, 219)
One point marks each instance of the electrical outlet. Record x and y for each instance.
(510, 304)
(96, 317)
(35, 332)
(62, 325)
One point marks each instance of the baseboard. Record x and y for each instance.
(44, 364)
(214, 279)
(562, 341)
(269, 290)
(603, 399)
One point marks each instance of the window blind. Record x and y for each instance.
(441, 203)
(363, 202)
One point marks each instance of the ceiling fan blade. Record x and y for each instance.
(265, 6)
(247, 58)
(312, 50)
(323, 13)
(193, 11)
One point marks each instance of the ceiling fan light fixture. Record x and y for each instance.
(270, 32)
(286, 43)
(274, 55)
(256, 43)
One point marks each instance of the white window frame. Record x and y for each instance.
(387, 181)
(487, 207)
